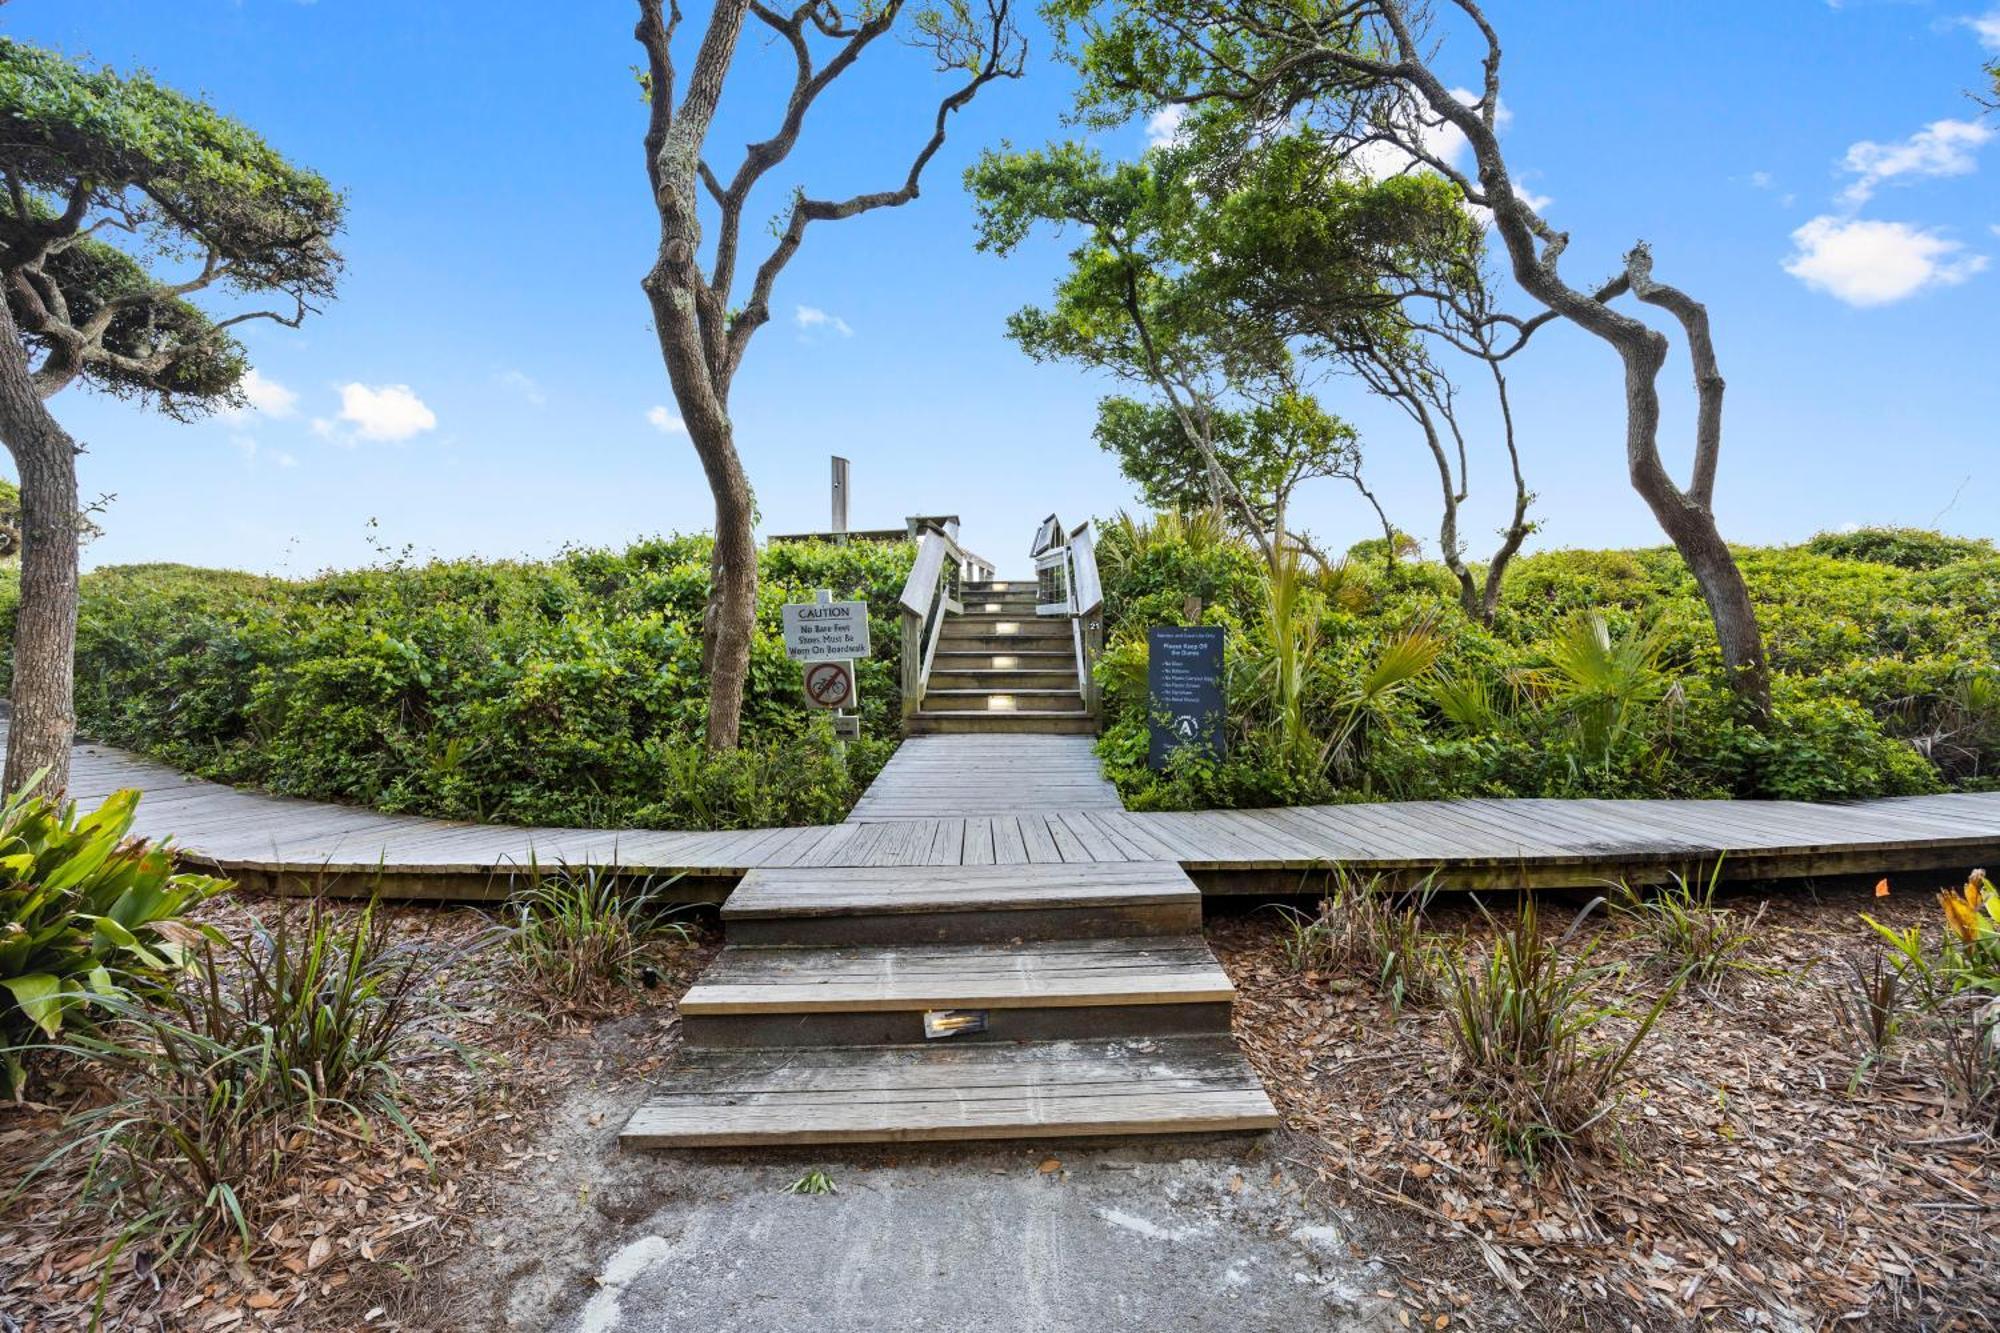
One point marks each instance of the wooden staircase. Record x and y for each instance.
(1000, 667)
(1091, 1006)
(895, 1002)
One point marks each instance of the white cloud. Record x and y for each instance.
(1987, 28)
(665, 422)
(1762, 180)
(1941, 148)
(384, 412)
(265, 396)
(524, 384)
(1875, 263)
(1164, 126)
(811, 317)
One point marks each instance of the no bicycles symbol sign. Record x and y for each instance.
(830, 684)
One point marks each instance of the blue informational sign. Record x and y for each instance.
(1184, 691)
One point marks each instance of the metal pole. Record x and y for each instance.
(839, 495)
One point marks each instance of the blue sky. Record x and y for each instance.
(486, 382)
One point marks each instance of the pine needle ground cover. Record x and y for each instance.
(369, 1206)
(1762, 1166)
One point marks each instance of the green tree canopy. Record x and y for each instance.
(1268, 447)
(99, 169)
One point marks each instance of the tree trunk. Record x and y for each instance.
(1693, 531)
(44, 710)
(732, 617)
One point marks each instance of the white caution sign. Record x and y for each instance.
(830, 684)
(826, 631)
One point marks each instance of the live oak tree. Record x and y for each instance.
(1127, 306)
(1269, 448)
(702, 324)
(1376, 275)
(119, 200)
(1207, 271)
(1368, 73)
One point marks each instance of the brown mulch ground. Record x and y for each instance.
(1742, 1186)
(348, 1239)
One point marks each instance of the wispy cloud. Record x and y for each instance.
(665, 422)
(1941, 148)
(1986, 27)
(264, 396)
(811, 317)
(524, 384)
(1164, 126)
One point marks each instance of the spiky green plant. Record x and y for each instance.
(1522, 1026)
(1603, 682)
(219, 1083)
(1401, 664)
(580, 930)
(1688, 931)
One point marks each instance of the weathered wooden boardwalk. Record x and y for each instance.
(990, 885)
(928, 808)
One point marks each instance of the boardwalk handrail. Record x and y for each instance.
(929, 594)
(1067, 584)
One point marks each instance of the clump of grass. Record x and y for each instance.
(1871, 1003)
(1688, 932)
(1365, 927)
(813, 1182)
(1521, 1026)
(1972, 1059)
(581, 931)
(218, 1084)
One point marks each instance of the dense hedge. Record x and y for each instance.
(1884, 646)
(561, 692)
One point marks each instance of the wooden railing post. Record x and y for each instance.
(913, 663)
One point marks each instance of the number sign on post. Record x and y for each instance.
(1184, 691)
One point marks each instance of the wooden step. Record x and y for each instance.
(1039, 724)
(890, 905)
(947, 1091)
(1013, 701)
(1027, 622)
(1031, 991)
(957, 638)
(1001, 680)
(1024, 658)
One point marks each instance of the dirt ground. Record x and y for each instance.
(1744, 1186)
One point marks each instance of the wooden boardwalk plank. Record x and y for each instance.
(1041, 800)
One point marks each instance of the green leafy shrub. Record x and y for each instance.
(218, 1083)
(85, 916)
(1905, 548)
(567, 691)
(1598, 678)
(579, 931)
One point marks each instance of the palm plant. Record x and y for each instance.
(1290, 653)
(1602, 681)
(1401, 664)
